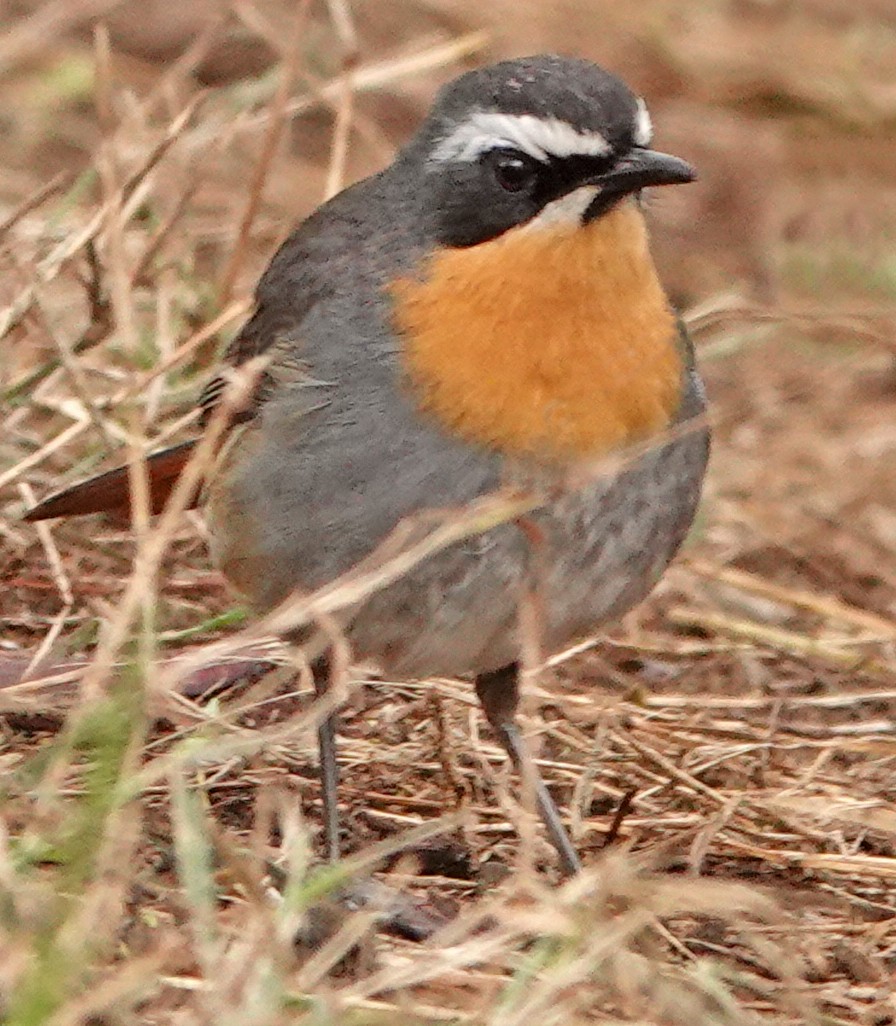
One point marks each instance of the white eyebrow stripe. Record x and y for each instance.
(540, 138)
(643, 124)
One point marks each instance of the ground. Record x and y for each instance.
(724, 755)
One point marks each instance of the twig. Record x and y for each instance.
(63, 584)
(341, 134)
(783, 641)
(99, 326)
(824, 605)
(51, 264)
(160, 235)
(135, 387)
(367, 78)
(624, 807)
(56, 184)
(276, 123)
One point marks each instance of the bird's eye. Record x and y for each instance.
(513, 171)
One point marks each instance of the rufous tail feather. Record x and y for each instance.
(111, 492)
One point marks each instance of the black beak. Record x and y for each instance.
(637, 170)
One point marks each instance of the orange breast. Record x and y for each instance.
(553, 343)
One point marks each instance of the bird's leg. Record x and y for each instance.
(398, 914)
(499, 695)
(329, 768)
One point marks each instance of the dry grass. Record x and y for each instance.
(726, 755)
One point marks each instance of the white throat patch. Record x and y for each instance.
(540, 138)
(565, 211)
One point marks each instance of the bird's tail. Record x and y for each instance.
(111, 492)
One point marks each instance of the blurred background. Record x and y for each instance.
(152, 156)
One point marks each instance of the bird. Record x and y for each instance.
(483, 310)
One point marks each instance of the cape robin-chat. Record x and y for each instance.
(485, 309)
